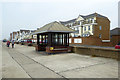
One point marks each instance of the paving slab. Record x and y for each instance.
(20, 58)
(27, 50)
(11, 69)
(68, 61)
(107, 70)
(38, 71)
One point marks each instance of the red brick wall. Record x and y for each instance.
(115, 39)
(10, 36)
(97, 41)
(105, 23)
(91, 41)
(14, 33)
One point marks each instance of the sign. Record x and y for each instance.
(51, 48)
(78, 40)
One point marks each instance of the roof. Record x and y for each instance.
(115, 31)
(69, 21)
(93, 15)
(33, 30)
(85, 17)
(14, 32)
(54, 27)
(24, 31)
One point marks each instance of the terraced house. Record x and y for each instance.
(90, 25)
(22, 35)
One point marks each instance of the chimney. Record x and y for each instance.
(95, 14)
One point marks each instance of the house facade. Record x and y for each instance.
(13, 35)
(22, 35)
(90, 25)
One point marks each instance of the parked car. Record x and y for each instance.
(29, 41)
(117, 46)
(17, 42)
(4, 40)
(22, 42)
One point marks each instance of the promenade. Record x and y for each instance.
(24, 62)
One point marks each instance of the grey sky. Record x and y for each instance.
(33, 14)
(119, 14)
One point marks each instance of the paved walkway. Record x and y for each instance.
(0, 60)
(25, 62)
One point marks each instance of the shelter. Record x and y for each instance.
(53, 37)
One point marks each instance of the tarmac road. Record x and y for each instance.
(24, 62)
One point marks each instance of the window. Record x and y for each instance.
(55, 38)
(100, 35)
(84, 28)
(83, 35)
(92, 20)
(60, 39)
(76, 28)
(79, 22)
(88, 27)
(100, 27)
(87, 34)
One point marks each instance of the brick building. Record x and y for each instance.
(10, 36)
(13, 35)
(90, 25)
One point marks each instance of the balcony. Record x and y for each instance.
(89, 22)
(77, 31)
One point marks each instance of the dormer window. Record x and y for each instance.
(92, 20)
(80, 23)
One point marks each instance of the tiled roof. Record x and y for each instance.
(53, 27)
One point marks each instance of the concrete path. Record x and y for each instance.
(0, 59)
(10, 68)
(26, 61)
